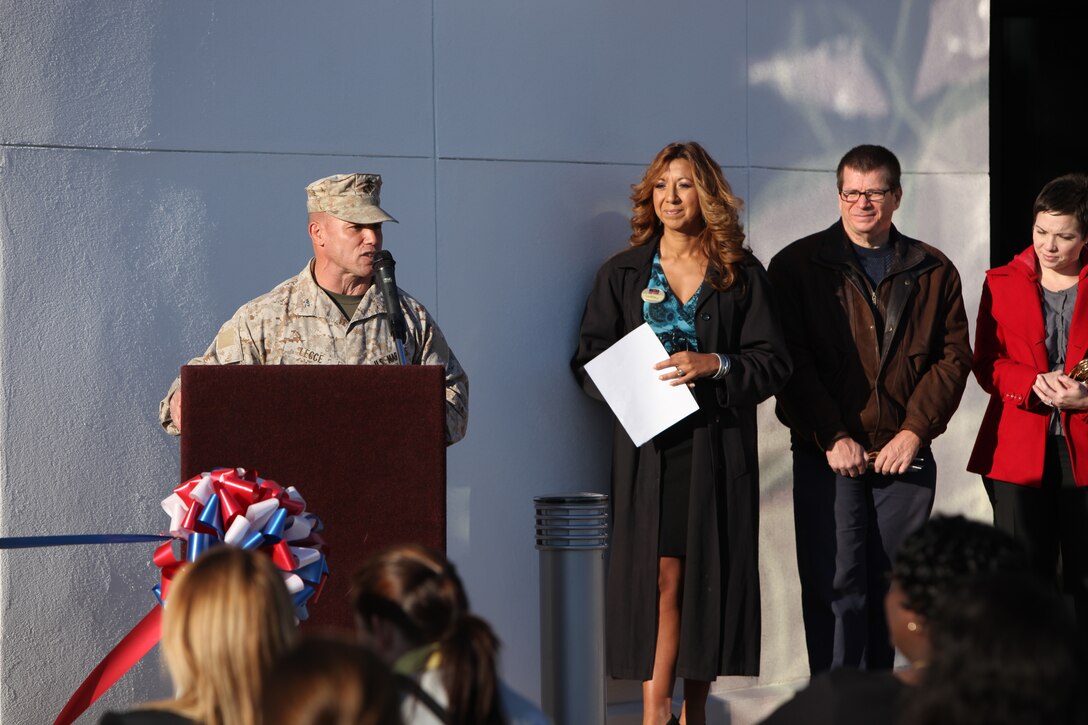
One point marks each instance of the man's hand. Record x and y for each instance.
(1060, 391)
(847, 458)
(895, 457)
(175, 408)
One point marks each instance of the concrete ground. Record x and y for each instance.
(744, 706)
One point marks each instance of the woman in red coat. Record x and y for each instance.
(1032, 448)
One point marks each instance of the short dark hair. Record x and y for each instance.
(946, 549)
(1065, 195)
(869, 157)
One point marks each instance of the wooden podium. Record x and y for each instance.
(364, 444)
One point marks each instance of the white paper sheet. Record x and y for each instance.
(625, 375)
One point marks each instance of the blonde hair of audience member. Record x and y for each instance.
(228, 616)
(409, 597)
(325, 681)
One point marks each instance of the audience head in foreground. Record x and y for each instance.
(329, 682)
(1005, 651)
(411, 608)
(227, 618)
(932, 561)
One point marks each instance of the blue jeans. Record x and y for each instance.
(848, 531)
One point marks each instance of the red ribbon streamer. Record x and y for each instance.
(137, 643)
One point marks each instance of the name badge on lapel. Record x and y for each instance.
(653, 295)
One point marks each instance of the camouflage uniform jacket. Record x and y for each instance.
(297, 323)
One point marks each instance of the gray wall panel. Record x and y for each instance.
(315, 77)
(520, 274)
(605, 81)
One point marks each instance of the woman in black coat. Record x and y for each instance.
(683, 580)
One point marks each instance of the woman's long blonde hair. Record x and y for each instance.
(228, 617)
(722, 238)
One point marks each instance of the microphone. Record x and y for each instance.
(387, 283)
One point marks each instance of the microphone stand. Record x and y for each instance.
(383, 271)
(400, 343)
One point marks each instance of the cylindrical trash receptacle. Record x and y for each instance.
(572, 535)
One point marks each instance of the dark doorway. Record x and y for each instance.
(1038, 128)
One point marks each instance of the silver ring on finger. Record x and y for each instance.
(679, 373)
(1050, 402)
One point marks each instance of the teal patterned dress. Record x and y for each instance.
(674, 325)
(672, 322)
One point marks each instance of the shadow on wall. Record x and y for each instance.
(910, 75)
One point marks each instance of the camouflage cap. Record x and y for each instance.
(351, 197)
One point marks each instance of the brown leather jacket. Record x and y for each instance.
(851, 378)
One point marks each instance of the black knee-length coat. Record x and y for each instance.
(720, 615)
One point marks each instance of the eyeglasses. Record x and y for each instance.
(870, 194)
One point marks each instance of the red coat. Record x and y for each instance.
(1010, 350)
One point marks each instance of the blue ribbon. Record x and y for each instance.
(273, 530)
(198, 544)
(34, 542)
(209, 515)
(253, 541)
(312, 572)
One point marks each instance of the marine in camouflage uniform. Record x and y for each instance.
(298, 322)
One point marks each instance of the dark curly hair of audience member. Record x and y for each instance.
(723, 236)
(324, 681)
(946, 549)
(1006, 652)
(419, 591)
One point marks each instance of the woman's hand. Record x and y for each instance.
(685, 367)
(1061, 392)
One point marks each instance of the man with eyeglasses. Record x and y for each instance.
(878, 334)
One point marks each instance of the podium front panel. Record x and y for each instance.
(364, 444)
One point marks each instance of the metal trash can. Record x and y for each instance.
(571, 536)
